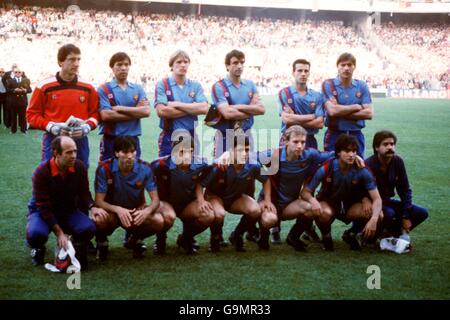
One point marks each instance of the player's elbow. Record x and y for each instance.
(226, 114)
(319, 124)
(105, 115)
(261, 110)
(332, 112)
(160, 112)
(146, 113)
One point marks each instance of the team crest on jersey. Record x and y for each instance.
(139, 184)
(110, 96)
(191, 94)
(168, 93)
(358, 94)
(136, 98)
(82, 99)
(334, 93)
(109, 181)
(354, 181)
(54, 97)
(312, 105)
(328, 179)
(194, 177)
(221, 180)
(302, 164)
(248, 178)
(164, 177)
(250, 95)
(227, 94)
(289, 101)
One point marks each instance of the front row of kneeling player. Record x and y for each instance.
(185, 186)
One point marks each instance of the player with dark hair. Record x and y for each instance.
(56, 99)
(301, 105)
(122, 105)
(120, 185)
(178, 102)
(237, 101)
(179, 179)
(400, 216)
(348, 104)
(231, 184)
(344, 186)
(60, 203)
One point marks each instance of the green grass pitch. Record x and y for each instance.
(423, 130)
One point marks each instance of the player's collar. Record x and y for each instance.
(339, 82)
(55, 170)
(230, 83)
(115, 84)
(62, 81)
(115, 166)
(295, 90)
(172, 80)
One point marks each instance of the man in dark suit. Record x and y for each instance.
(18, 87)
(6, 107)
(2, 97)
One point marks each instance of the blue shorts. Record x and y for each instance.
(107, 147)
(340, 208)
(329, 140)
(165, 143)
(76, 224)
(82, 148)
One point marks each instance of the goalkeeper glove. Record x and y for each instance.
(55, 128)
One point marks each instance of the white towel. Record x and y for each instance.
(63, 254)
(395, 245)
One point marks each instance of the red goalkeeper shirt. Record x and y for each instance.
(55, 100)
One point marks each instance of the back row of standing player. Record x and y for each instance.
(120, 104)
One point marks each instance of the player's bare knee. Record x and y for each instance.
(219, 215)
(156, 221)
(105, 225)
(268, 220)
(206, 218)
(310, 214)
(169, 217)
(254, 211)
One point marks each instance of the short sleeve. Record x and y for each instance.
(101, 185)
(369, 180)
(160, 94)
(150, 185)
(199, 94)
(316, 179)
(104, 101)
(218, 95)
(320, 108)
(365, 94)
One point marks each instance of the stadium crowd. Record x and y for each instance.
(29, 36)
